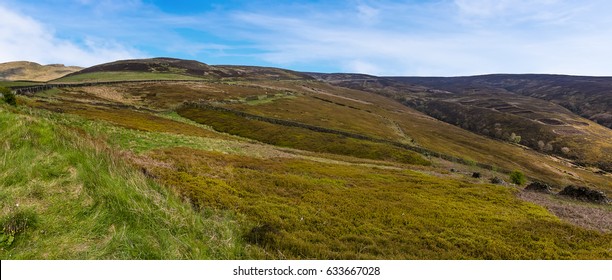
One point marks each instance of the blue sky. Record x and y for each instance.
(424, 38)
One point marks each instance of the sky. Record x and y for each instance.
(379, 37)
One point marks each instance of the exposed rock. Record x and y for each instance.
(584, 194)
(497, 180)
(539, 187)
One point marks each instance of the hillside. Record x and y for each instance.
(31, 71)
(526, 109)
(589, 97)
(265, 163)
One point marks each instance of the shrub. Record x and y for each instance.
(517, 177)
(8, 96)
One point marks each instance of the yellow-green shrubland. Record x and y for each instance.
(303, 209)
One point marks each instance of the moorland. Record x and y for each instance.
(175, 159)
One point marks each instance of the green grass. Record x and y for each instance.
(300, 138)
(123, 76)
(299, 209)
(67, 196)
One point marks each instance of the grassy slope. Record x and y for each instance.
(322, 112)
(300, 138)
(375, 119)
(122, 76)
(67, 196)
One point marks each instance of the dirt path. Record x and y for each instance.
(596, 217)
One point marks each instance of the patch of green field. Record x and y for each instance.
(266, 99)
(18, 83)
(171, 95)
(300, 138)
(49, 92)
(299, 209)
(123, 76)
(65, 195)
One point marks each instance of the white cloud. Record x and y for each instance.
(545, 36)
(24, 38)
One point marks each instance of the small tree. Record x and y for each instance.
(517, 177)
(8, 96)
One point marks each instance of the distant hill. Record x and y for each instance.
(172, 68)
(548, 112)
(589, 97)
(31, 71)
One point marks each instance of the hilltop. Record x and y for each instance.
(171, 68)
(31, 71)
(169, 158)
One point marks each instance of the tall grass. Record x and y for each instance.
(89, 204)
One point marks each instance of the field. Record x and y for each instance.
(122, 76)
(17, 83)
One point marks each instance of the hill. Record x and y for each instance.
(174, 69)
(31, 71)
(269, 163)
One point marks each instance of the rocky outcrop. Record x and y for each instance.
(539, 187)
(584, 194)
